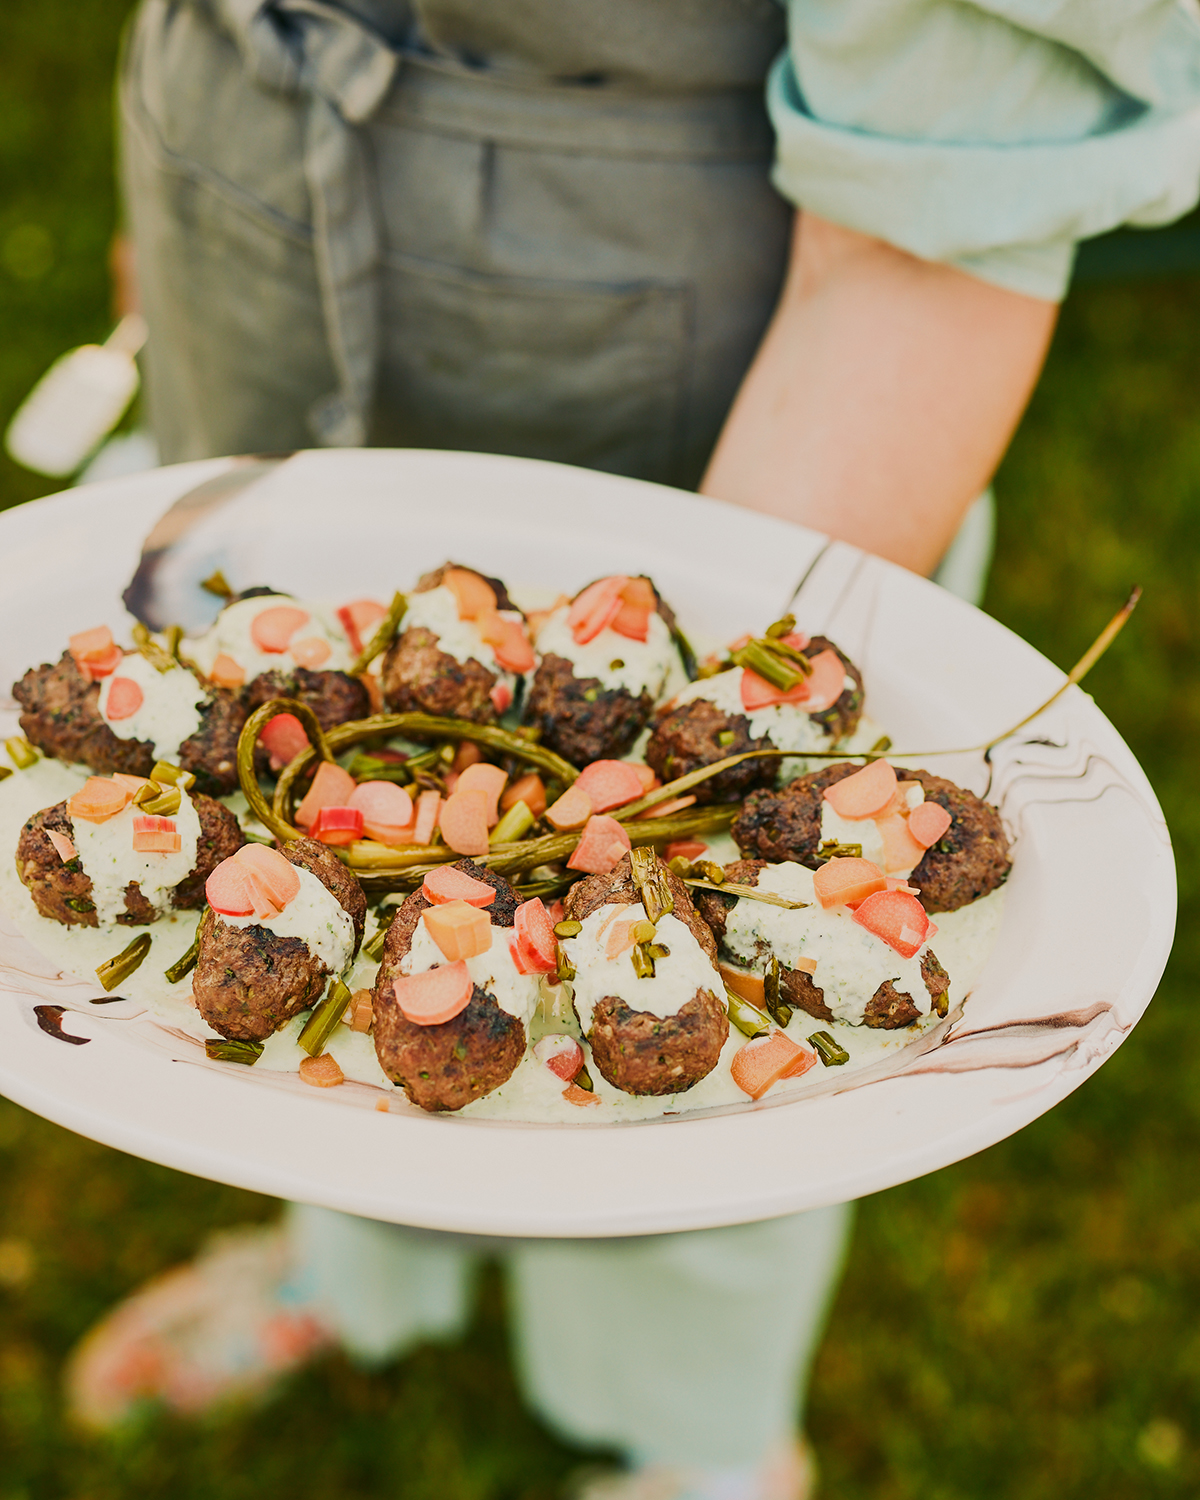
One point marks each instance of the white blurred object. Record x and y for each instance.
(77, 402)
(127, 453)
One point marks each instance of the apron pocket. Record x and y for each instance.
(578, 372)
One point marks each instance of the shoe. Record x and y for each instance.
(222, 1329)
(790, 1473)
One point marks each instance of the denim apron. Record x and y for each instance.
(538, 227)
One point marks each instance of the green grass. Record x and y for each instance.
(1024, 1325)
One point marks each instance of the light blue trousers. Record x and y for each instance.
(676, 1348)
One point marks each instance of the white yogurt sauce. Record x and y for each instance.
(864, 831)
(170, 708)
(314, 914)
(229, 635)
(109, 859)
(676, 978)
(652, 666)
(493, 971)
(790, 727)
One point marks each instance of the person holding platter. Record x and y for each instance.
(569, 230)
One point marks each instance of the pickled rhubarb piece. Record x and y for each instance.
(459, 930)
(572, 810)
(864, 793)
(387, 810)
(527, 789)
(448, 884)
(272, 629)
(763, 1061)
(338, 826)
(535, 933)
(278, 876)
(97, 800)
(474, 595)
(436, 996)
(331, 787)
(311, 652)
(898, 918)
(463, 819)
(488, 779)
(840, 881)
(929, 822)
(900, 850)
(227, 889)
(562, 1054)
(601, 848)
(597, 606)
(610, 783)
(283, 738)
(125, 697)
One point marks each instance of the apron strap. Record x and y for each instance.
(343, 70)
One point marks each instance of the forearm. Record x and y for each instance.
(882, 397)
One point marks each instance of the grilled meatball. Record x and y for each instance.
(63, 891)
(62, 717)
(971, 858)
(970, 861)
(334, 697)
(581, 720)
(697, 733)
(444, 1067)
(419, 677)
(211, 753)
(639, 1052)
(778, 826)
(248, 981)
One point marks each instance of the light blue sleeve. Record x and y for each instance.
(990, 134)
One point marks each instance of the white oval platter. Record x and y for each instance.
(1088, 919)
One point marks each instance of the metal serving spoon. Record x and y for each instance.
(180, 551)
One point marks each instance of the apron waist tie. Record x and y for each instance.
(342, 70)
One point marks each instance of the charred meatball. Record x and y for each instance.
(249, 981)
(639, 1052)
(334, 697)
(446, 1066)
(61, 716)
(62, 890)
(971, 858)
(580, 718)
(969, 861)
(779, 825)
(419, 677)
(697, 733)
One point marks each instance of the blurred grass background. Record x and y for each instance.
(1024, 1325)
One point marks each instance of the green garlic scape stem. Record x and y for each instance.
(747, 892)
(115, 971)
(755, 657)
(230, 1049)
(385, 634)
(325, 1016)
(831, 1053)
(160, 660)
(513, 825)
(748, 1019)
(21, 752)
(184, 965)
